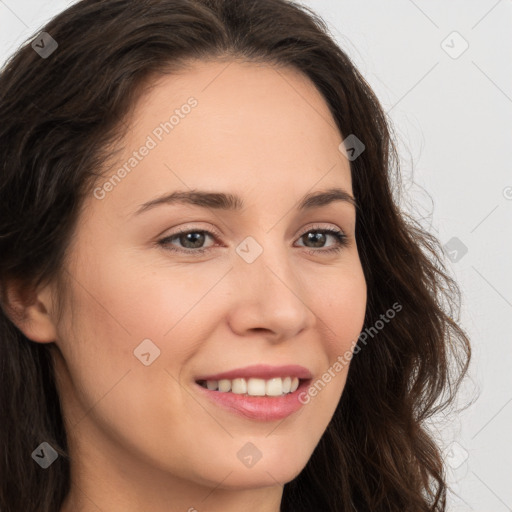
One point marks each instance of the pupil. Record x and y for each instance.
(197, 235)
(312, 235)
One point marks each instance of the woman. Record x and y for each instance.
(170, 340)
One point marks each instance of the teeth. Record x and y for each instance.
(254, 387)
(224, 385)
(239, 386)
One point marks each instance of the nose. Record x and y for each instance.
(268, 298)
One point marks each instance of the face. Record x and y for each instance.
(151, 311)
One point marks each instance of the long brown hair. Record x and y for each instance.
(59, 114)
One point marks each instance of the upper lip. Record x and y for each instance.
(261, 371)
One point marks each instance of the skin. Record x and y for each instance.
(141, 437)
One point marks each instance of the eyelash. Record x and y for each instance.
(342, 241)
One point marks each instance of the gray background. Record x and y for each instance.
(452, 114)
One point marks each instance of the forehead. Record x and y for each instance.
(231, 125)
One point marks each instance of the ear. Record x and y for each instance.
(30, 310)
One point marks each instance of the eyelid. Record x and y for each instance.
(319, 226)
(188, 229)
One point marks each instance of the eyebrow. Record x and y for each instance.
(232, 202)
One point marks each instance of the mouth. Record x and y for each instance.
(259, 392)
(254, 387)
(259, 406)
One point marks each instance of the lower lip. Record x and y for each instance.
(263, 408)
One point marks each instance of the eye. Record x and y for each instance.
(318, 235)
(191, 240)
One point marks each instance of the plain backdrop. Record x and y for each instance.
(442, 70)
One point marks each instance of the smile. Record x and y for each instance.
(276, 386)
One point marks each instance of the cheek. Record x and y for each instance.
(123, 297)
(121, 303)
(114, 308)
(341, 310)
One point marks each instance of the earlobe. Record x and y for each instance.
(30, 311)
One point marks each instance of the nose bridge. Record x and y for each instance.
(269, 294)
